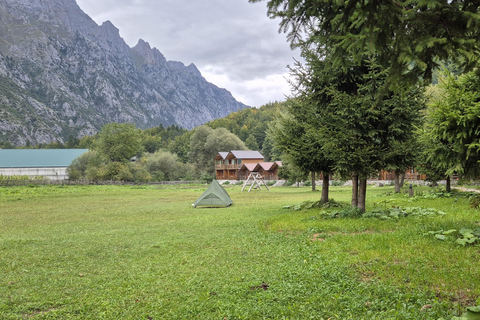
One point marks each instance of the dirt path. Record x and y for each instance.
(466, 189)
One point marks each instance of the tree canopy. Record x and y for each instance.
(118, 142)
(410, 37)
(206, 142)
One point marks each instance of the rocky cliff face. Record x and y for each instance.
(63, 75)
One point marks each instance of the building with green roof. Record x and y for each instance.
(47, 163)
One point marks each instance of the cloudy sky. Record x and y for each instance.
(232, 42)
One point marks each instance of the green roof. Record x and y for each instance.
(38, 158)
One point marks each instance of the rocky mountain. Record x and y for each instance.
(63, 75)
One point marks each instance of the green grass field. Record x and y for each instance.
(143, 252)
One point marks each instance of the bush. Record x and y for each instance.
(79, 166)
(164, 165)
(337, 183)
(96, 173)
(271, 183)
(206, 177)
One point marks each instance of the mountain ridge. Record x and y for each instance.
(62, 74)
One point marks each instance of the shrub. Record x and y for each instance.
(337, 183)
(165, 165)
(96, 173)
(271, 183)
(79, 166)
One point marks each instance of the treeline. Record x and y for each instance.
(124, 152)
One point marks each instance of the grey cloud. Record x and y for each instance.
(233, 35)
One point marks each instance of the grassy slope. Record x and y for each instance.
(144, 253)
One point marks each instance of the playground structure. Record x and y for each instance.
(256, 179)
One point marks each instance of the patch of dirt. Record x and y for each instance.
(263, 286)
(39, 312)
(462, 297)
(367, 276)
(466, 189)
(316, 237)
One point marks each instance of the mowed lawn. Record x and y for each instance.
(143, 252)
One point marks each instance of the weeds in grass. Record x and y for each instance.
(475, 201)
(463, 237)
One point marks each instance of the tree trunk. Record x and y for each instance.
(402, 181)
(448, 186)
(313, 181)
(354, 190)
(325, 186)
(362, 194)
(397, 181)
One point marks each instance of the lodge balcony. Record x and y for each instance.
(227, 166)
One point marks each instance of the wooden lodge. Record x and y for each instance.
(410, 174)
(238, 164)
(268, 170)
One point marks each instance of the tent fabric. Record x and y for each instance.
(214, 196)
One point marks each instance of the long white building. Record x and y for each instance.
(47, 163)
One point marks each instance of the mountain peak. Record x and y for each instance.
(63, 75)
(151, 56)
(108, 25)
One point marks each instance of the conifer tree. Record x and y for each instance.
(355, 117)
(453, 129)
(296, 138)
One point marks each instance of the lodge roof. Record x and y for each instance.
(249, 166)
(266, 165)
(221, 156)
(38, 158)
(243, 154)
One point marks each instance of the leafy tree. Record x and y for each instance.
(118, 142)
(251, 143)
(164, 165)
(269, 150)
(252, 124)
(151, 143)
(72, 142)
(181, 146)
(198, 154)
(6, 145)
(206, 142)
(160, 137)
(87, 142)
(409, 37)
(79, 165)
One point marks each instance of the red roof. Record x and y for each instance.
(249, 166)
(267, 166)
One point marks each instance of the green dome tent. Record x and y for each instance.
(214, 196)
